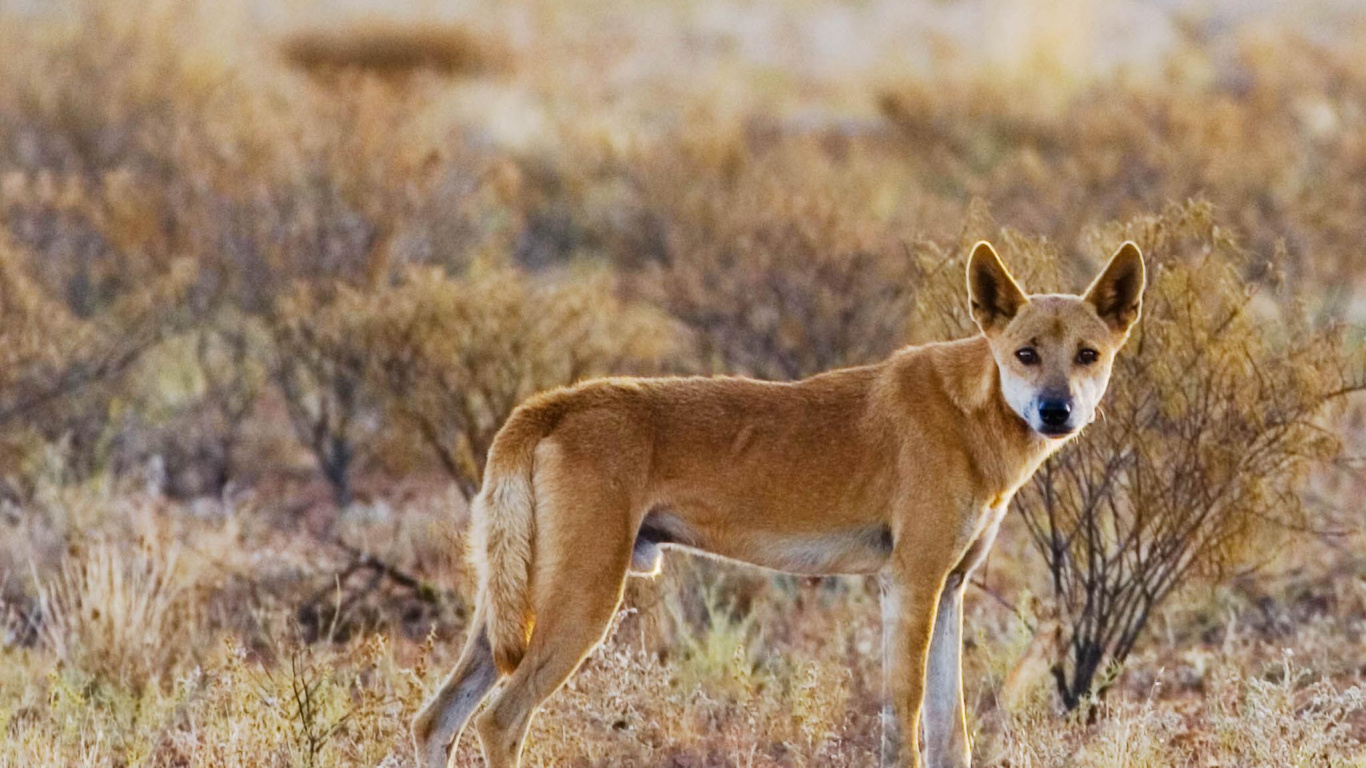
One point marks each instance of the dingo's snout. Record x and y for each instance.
(1054, 415)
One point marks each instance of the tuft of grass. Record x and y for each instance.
(114, 610)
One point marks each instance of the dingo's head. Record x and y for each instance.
(1054, 351)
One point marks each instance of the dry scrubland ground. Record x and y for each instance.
(262, 309)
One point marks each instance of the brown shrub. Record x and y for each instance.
(390, 48)
(777, 279)
(320, 367)
(453, 357)
(62, 375)
(1268, 134)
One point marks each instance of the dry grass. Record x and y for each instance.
(689, 677)
(237, 264)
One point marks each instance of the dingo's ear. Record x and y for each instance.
(1117, 294)
(992, 292)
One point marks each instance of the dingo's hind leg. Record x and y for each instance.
(583, 549)
(436, 729)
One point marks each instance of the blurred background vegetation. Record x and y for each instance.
(273, 274)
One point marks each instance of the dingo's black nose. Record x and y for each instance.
(1054, 413)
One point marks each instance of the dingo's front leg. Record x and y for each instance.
(946, 734)
(910, 600)
(946, 728)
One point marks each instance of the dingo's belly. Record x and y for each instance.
(843, 550)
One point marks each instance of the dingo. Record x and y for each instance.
(903, 468)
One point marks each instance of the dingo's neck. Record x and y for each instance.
(1008, 451)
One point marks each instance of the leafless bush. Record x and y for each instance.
(1212, 421)
(198, 391)
(321, 371)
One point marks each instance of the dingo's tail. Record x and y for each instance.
(504, 526)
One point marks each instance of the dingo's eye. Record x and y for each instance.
(1027, 355)
(1087, 356)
